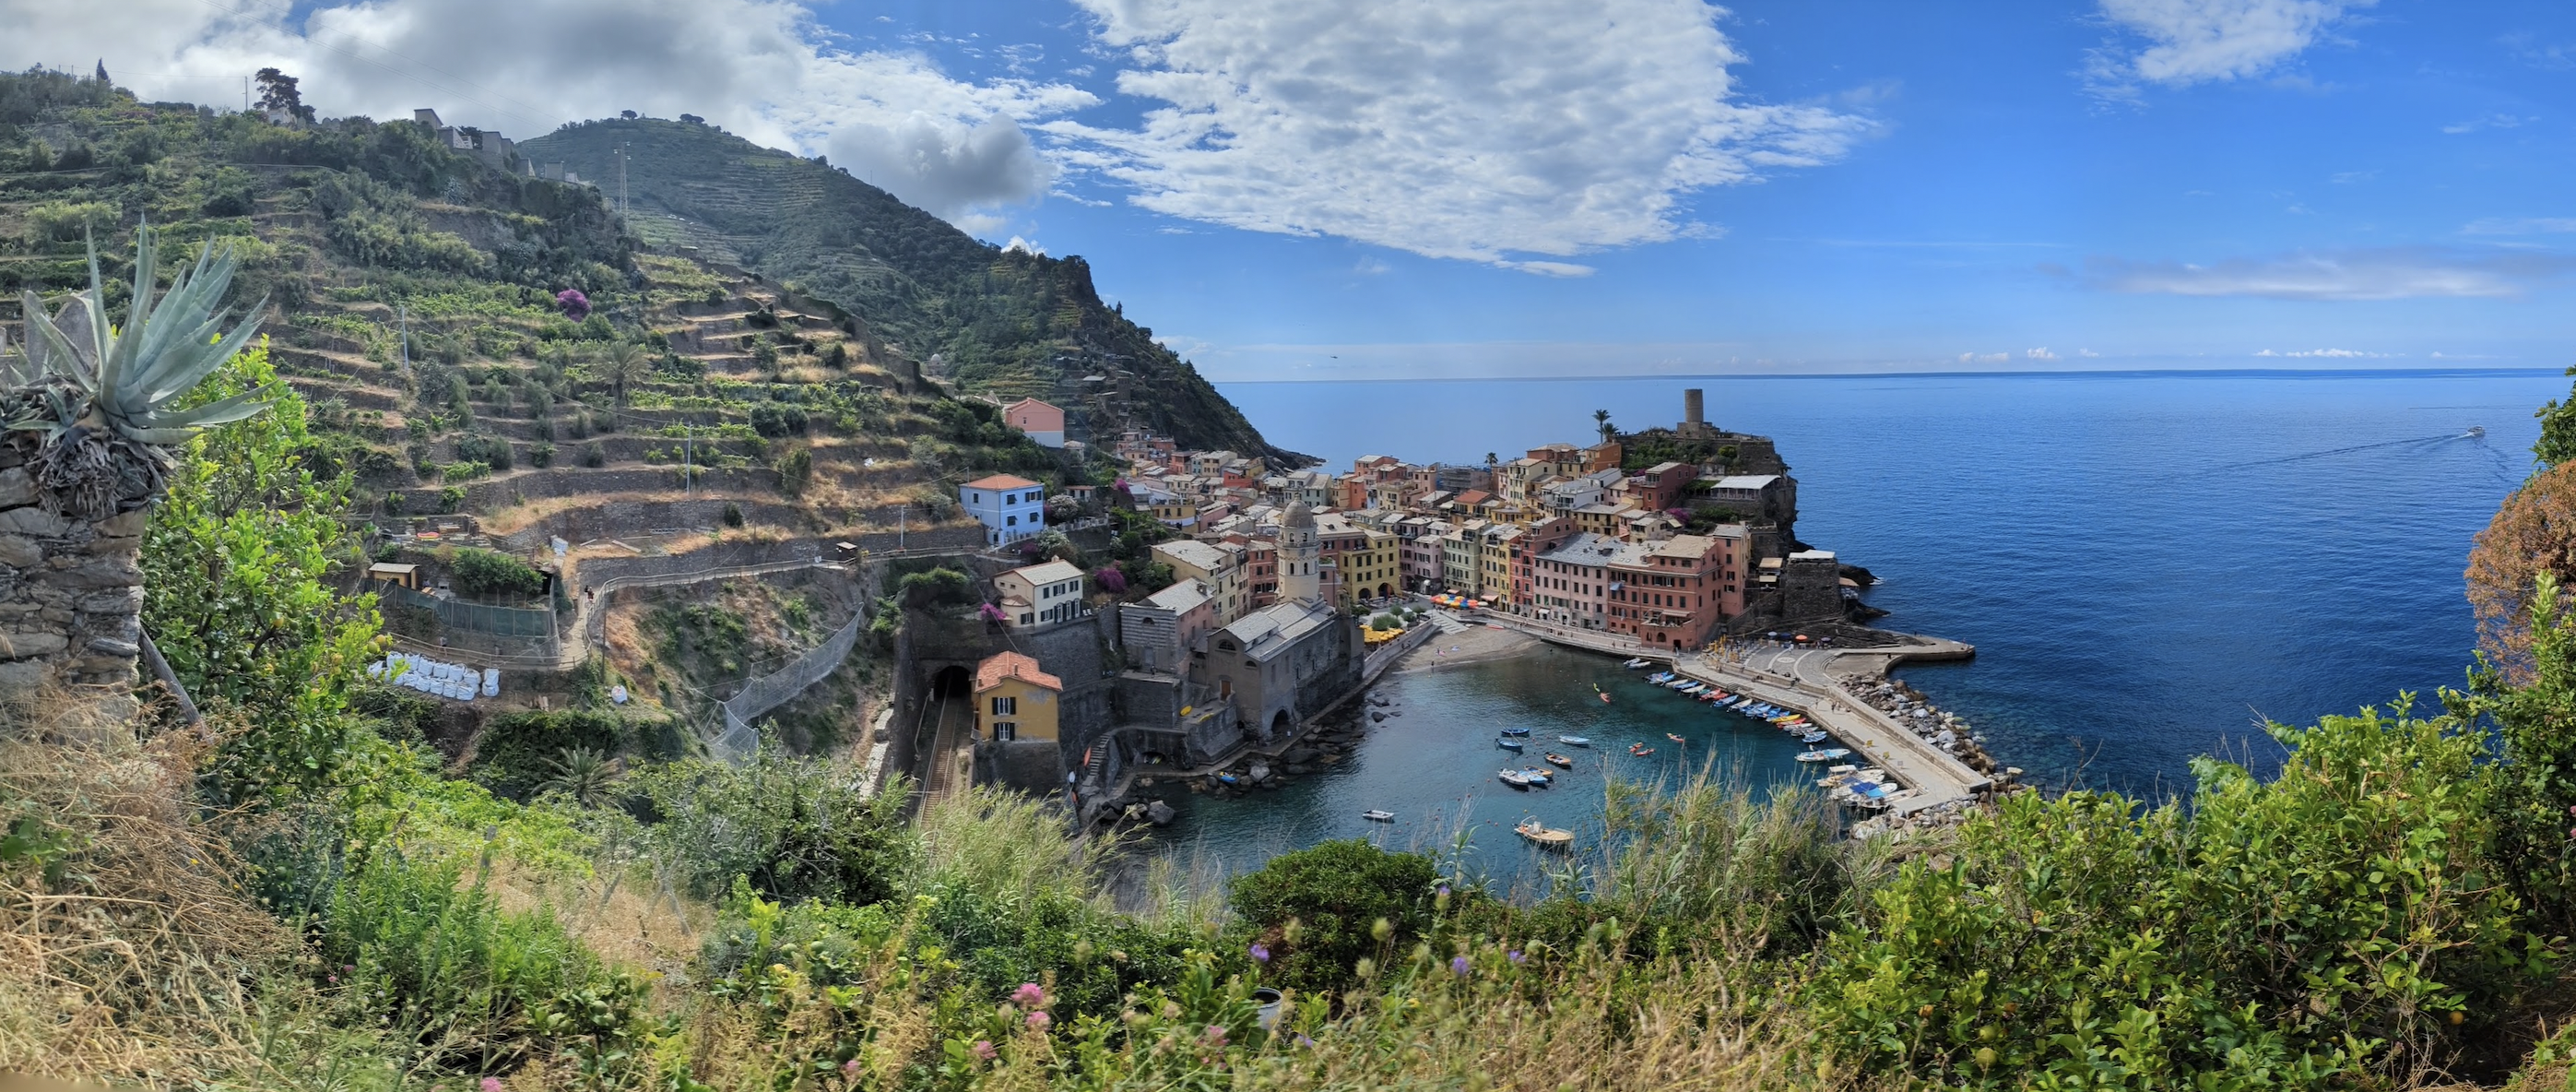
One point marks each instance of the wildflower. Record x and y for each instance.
(1303, 1041)
(1444, 890)
(1038, 1021)
(1382, 930)
(850, 1069)
(1516, 957)
(491, 1084)
(984, 1049)
(1029, 995)
(1215, 1035)
(1260, 953)
(1458, 966)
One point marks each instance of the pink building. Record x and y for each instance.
(1043, 423)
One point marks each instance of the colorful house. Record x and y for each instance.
(1011, 508)
(1043, 423)
(1015, 700)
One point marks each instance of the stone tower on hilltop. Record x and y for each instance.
(1299, 552)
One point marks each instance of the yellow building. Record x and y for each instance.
(1494, 562)
(1370, 568)
(1015, 700)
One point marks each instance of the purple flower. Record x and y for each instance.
(575, 305)
(1516, 957)
(1111, 580)
(1458, 966)
(1038, 1021)
(850, 1069)
(1215, 1035)
(1030, 995)
(491, 1084)
(1303, 1041)
(1444, 889)
(984, 1049)
(1260, 953)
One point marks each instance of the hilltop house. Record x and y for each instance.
(1015, 700)
(1011, 508)
(1040, 595)
(1160, 633)
(1043, 423)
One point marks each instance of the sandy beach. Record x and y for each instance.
(1471, 647)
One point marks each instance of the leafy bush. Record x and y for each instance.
(464, 472)
(451, 498)
(794, 829)
(1335, 894)
(492, 451)
(484, 572)
(774, 420)
(66, 221)
(515, 751)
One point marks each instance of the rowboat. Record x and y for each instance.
(1640, 750)
(1508, 744)
(1814, 737)
(1378, 815)
(1660, 677)
(1537, 775)
(1826, 755)
(1556, 759)
(1542, 835)
(1635, 662)
(1675, 738)
(1516, 731)
(1575, 741)
(1514, 778)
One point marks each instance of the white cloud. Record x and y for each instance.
(2040, 353)
(1510, 127)
(2199, 41)
(2087, 353)
(2380, 274)
(1984, 358)
(1370, 266)
(762, 68)
(1548, 269)
(2538, 225)
(1023, 246)
(2334, 354)
(2490, 121)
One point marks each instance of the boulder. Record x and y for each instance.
(1160, 814)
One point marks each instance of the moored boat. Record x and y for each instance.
(1640, 750)
(1675, 738)
(1516, 731)
(1542, 835)
(1635, 662)
(1514, 778)
(1378, 815)
(1575, 741)
(1814, 737)
(1537, 775)
(1825, 755)
(1556, 759)
(1509, 744)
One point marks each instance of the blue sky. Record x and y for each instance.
(1325, 189)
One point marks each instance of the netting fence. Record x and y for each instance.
(738, 739)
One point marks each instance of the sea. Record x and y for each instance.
(2151, 565)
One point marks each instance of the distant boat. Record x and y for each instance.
(2475, 431)
(1556, 759)
(1376, 815)
(1814, 737)
(1508, 744)
(1543, 836)
(1635, 662)
(1675, 738)
(1514, 778)
(1826, 755)
(1537, 775)
(1659, 678)
(1640, 750)
(1228, 778)
(1575, 741)
(1516, 731)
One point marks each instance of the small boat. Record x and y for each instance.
(1516, 731)
(1826, 755)
(1635, 662)
(1660, 677)
(1814, 737)
(1509, 744)
(1542, 835)
(1555, 759)
(1575, 741)
(1641, 750)
(1378, 815)
(1229, 779)
(1536, 775)
(1514, 778)
(1675, 738)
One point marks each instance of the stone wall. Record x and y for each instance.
(71, 591)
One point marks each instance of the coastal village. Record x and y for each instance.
(1289, 590)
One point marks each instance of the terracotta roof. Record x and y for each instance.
(1000, 481)
(1003, 665)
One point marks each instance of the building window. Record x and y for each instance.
(1006, 730)
(1003, 707)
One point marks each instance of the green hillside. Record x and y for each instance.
(1004, 324)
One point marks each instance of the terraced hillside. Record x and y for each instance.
(1005, 324)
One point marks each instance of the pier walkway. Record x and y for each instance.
(1810, 680)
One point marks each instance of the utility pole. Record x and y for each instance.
(622, 207)
(902, 520)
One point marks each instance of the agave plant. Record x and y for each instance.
(587, 776)
(104, 395)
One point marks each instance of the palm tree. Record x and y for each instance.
(584, 775)
(627, 364)
(1601, 421)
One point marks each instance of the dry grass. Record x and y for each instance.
(130, 961)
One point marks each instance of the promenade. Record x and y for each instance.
(1809, 680)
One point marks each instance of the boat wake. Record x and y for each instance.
(2471, 434)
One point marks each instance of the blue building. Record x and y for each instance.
(1010, 508)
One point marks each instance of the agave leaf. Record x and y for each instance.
(51, 346)
(117, 356)
(191, 302)
(221, 411)
(183, 373)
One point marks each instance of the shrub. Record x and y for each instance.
(774, 421)
(484, 572)
(794, 829)
(593, 455)
(464, 472)
(65, 222)
(541, 456)
(517, 751)
(732, 514)
(491, 451)
(1336, 893)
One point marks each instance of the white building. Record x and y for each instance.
(1011, 508)
(1039, 595)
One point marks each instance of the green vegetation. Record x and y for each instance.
(484, 572)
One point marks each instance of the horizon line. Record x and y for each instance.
(1981, 374)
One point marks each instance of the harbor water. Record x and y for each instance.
(2150, 564)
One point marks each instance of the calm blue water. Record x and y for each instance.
(2147, 563)
(1433, 762)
